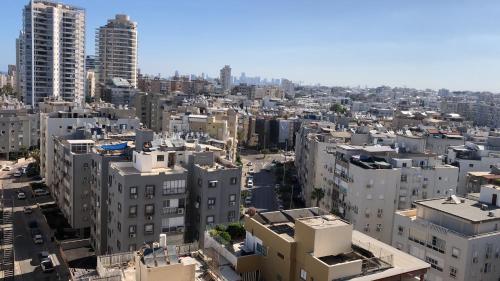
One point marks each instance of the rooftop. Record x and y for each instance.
(464, 208)
(127, 168)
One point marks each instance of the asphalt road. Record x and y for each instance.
(25, 250)
(263, 194)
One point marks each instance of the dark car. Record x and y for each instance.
(47, 265)
(33, 224)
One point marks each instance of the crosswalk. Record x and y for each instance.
(7, 257)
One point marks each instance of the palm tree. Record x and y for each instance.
(317, 194)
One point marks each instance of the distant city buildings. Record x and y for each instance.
(51, 52)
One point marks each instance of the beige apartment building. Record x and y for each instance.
(311, 244)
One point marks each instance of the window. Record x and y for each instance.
(133, 192)
(212, 184)
(210, 219)
(149, 228)
(132, 211)
(118, 245)
(120, 187)
(149, 209)
(234, 180)
(261, 249)
(200, 182)
(211, 203)
(487, 267)
(303, 274)
(404, 165)
(455, 252)
(150, 191)
(119, 227)
(453, 272)
(132, 229)
(119, 207)
(471, 165)
(281, 256)
(400, 230)
(404, 178)
(160, 158)
(434, 263)
(232, 199)
(174, 187)
(231, 216)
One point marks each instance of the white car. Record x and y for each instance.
(18, 174)
(249, 184)
(249, 164)
(21, 195)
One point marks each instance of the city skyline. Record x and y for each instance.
(420, 45)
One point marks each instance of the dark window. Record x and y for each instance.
(149, 228)
(150, 191)
(281, 256)
(160, 158)
(234, 180)
(211, 203)
(212, 184)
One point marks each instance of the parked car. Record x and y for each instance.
(47, 265)
(248, 200)
(36, 234)
(40, 192)
(27, 210)
(250, 184)
(251, 171)
(43, 255)
(33, 224)
(249, 163)
(21, 195)
(6, 168)
(18, 174)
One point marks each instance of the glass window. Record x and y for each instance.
(150, 191)
(234, 180)
(303, 274)
(149, 209)
(211, 203)
(149, 228)
(453, 272)
(160, 158)
(210, 219)
(133, 192)
(132, 229)
(212, 184)
(132, 211)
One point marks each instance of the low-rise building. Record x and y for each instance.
(310, 244)
(459, 237)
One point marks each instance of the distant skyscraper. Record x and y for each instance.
(117, 50)
(19, 59)
(90, 63)
(52, 51)
(225, 78)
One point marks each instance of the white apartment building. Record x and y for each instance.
(471, 158)
(52, 44)
(459, 237)
(117, 50)
(373, 182)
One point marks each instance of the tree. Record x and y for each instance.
(317, 194)
(7, 90)
(337, 108)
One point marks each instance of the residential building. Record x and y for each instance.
(146, 197)
(118, 91)
(72, 175)
(471, 158)
(477, 179)
(117, 50)
(103, 153)
(215, 186)
(459, 237)
(310, 244)
(288, 88)
(19, 128)
(53, 52)
(154, 262)
(225, 78)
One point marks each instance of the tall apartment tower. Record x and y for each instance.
(225, 78)
(53, 51)
(116, 44)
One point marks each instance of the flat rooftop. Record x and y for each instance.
(466, 209)
(127, 168)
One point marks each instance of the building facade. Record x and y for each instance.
(52, 46)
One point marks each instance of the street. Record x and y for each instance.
(27, 264)
(263, 194)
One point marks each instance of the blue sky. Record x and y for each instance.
(424, 44)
